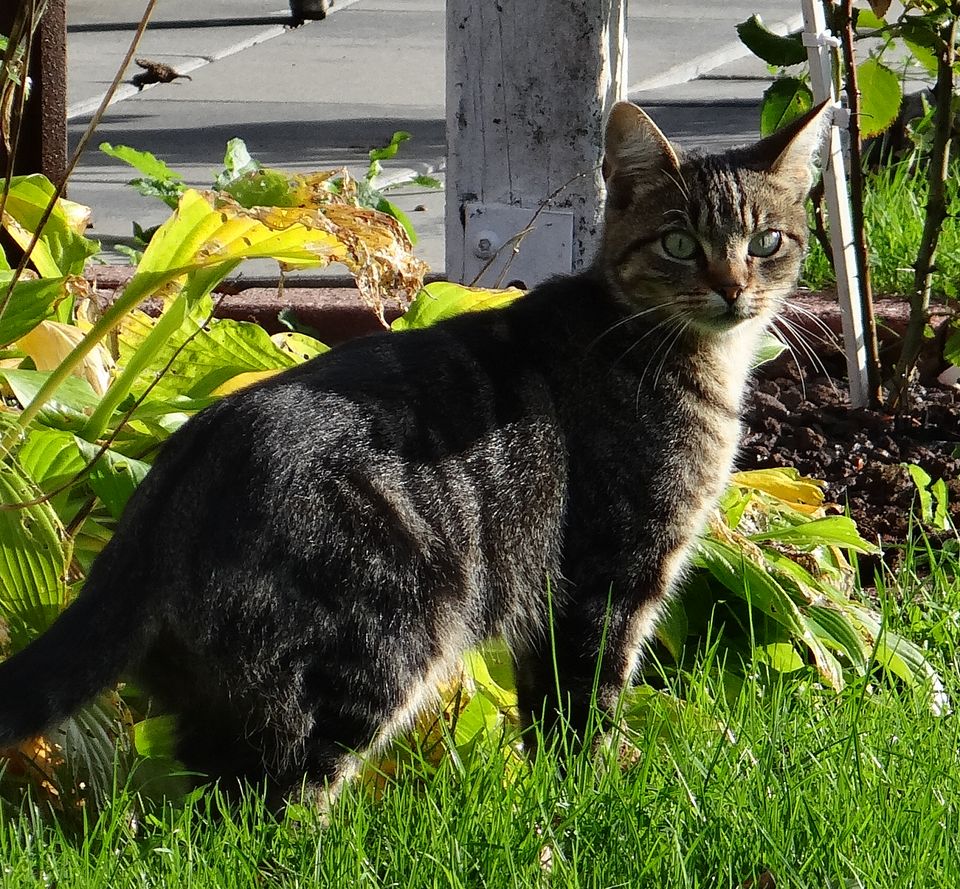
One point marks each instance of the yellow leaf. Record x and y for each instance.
(50, 342)
(802, 493)
(243, 380)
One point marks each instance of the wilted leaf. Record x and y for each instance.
(62, 250)
(784, 483)
(50, 342)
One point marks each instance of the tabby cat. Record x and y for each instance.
(309, 557)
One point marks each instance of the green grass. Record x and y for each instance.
(822, 790)
(894, 207)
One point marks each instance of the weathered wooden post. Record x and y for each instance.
(528, 87)
(43, 134)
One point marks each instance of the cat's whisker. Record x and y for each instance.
(829, 335)
(785, 340)
(682, 327)
(666, 322)
(620, 323)
(800, 335)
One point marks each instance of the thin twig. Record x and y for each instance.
(515, 241)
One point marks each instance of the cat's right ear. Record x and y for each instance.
(634, 150)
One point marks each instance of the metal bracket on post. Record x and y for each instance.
(820, 44)
(506, 245)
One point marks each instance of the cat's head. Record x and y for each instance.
(712, 240)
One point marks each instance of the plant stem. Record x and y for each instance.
(874, 394)
(934, 215)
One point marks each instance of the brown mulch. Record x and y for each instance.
(798, 415)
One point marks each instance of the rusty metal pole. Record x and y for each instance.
(43, 134)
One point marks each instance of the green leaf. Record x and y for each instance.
(774, 49)
(880, 97)
(443, 299)
(903, 659)
(113, 477)
(156, 737)
(771, 346)
(756, 586)
(780, 656)
(941, 514)
(673, 628)
(32, 558)
(391, 209)
(261, 188)
(867, 20)
(784, 101)
(143, 161)
(921, 481)
(237, 162)
(29, 304)
(836, 530)
(389, 150)
(951, 348)
(67, 408)
(50, 457)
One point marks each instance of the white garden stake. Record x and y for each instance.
(820, 46)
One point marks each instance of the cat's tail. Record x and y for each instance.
(82, 653)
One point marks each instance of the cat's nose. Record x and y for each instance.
(730, 292)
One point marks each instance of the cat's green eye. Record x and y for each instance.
(679, 244)
(765, 243)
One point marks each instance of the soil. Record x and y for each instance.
(798, 415)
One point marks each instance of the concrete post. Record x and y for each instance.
(528, 88)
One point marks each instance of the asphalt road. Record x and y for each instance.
(323, 94)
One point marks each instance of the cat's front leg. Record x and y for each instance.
(572, 683)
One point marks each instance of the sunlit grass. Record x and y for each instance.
(860, 788)
(894, 206)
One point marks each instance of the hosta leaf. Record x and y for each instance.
(829, 531)
(113, 477)
(839, 631)
(442, 299)
(780, 656)
(68, 408)
(880, 97)
(771, 346)
(756, 586)
(784, 101)
(30, 302)
(902, 658)
(32, 558)
(490, 671)
(62, 250)
(50, 342)
(784, 483)
(773, 48)
(209, 356)
(672, 629)
(50, 457)
(88, 745)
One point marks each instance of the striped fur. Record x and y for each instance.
(310, 556)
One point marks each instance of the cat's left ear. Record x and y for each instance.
(790, 152)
